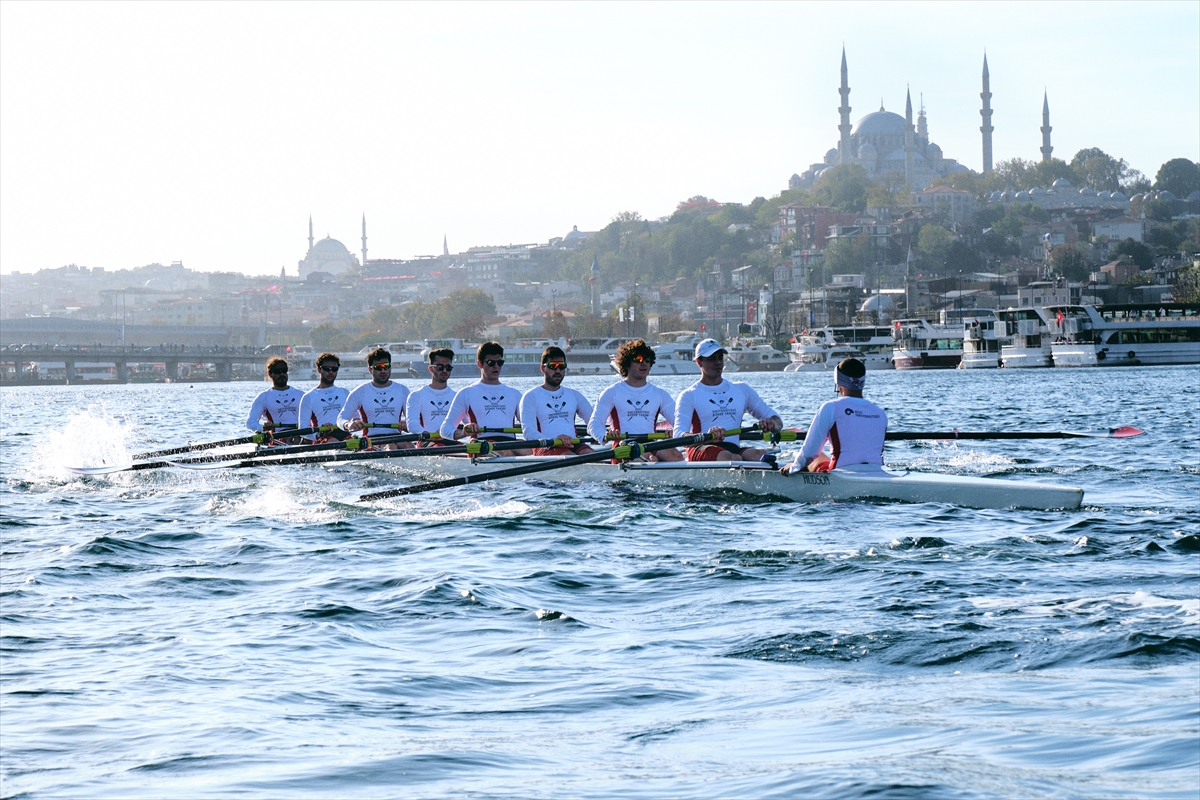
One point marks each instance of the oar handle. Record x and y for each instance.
(257, 438)
(622, 452)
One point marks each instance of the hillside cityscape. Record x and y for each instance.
(884, 225)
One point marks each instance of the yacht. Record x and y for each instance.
(873, 342)
(1024, 338)
(920, 344)
(593, 356)
(1133, 334)
(981, 345)
(756, 355)
(812, 353)
(677, 358)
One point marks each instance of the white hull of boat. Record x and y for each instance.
(1025, 357)
(859, 482)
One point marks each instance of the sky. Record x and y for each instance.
(208, 133)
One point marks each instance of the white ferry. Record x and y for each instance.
(981, 345)
(676, 358)
(1134, 334)
(756, 355)
(593, 356)
(1024, 338)
(871, 344)
(920, 344)
(812, 354)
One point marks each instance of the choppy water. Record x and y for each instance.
(259, 634)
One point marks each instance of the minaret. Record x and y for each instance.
(364, 238)
(986, 112)
(1046, 148)
(909, 145)
(922, 127)
(844, 110)
(445, 245)
(310, 236)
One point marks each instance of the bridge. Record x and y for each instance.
(119, 363)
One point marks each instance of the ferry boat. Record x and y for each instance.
(1132, 334)
(981, 346)
(593, 356)
(872, 344)
(521, 360)
(756, 355)
(677, 358)
(1024, 338)
(810, 354)
(920, 344)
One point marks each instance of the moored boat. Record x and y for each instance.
(858, 482)
(1133, 334)
(815, 354)
(981, 346)
(1024, 338)
(756, 355)
(920, 344)
(593, 356)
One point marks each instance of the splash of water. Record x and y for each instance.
(952, 455)
(93, 437)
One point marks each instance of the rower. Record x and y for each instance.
(427, 406)
(320, 406)
(854, 427)
(277, 406)
(487, 403)
(634, 405)
(378, 401)
(549, 410)
(714, 404)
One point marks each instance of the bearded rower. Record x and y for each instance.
(854, 426)
(487, 403)
(277, 406)
(379, 400)
(320, 406)
(634, 405)
(428, 406)
(549, 410)
(713, 405)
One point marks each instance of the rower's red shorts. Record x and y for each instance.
(710, 451)
(577, 450)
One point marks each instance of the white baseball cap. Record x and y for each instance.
(709, 347)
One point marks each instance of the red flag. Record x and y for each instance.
(1059, 317)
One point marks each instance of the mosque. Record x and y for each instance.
(331, 256)
(884, 142)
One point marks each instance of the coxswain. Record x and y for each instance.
(279, 406)
(854, 427)
(427, 406)
(378, 401)
(487, 406)
(549, 411)
(713, 405)
(320, 406)
(634, 405)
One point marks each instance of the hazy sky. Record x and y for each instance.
(208, 132)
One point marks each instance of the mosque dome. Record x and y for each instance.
(1061, 183)
(934, 151)
(1022, 196)
(1006, 196)
(867, 152)
(1165, 195)
(575, 233)
(1117, 196)
(1136, 197)
(1036, 191)
(1087, 192)
(331, 246)
(831, 156)
(879, 122)
(1194, 196)
(879, 303)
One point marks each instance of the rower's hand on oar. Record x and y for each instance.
(717, 433)
(566, 440)
(469, 428)
(356, 425)
(771, 424)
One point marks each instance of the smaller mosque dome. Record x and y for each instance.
(1036, 191)
(1136, 197)
(1150, 196)
(1006, 196)
(831, 156)
(1022, 195)
(1061, 183)
(1165, 195)
(1087, 192)
(1117, 196)
(995, 195)
(934, 151)
(1194, 196)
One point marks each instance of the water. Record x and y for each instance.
(260, 634)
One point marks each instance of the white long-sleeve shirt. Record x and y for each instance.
(630, 409)
(277, 406)
(487, 405)
(701, 407)
(426, 408)
(321, 407)
(375, 404)
(854, 427)
(548, 415)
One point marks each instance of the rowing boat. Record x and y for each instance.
(857, 482)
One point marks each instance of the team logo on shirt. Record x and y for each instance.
(723, 408)
(439, 408)
(556, 410)
(493, 404)
(637, 409)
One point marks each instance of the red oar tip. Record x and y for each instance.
(1124, 432)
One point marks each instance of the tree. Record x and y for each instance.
(469, 328)
(1017, 173)
(1099, 170)
(933, 242)
(1187, 284)
(1165, 239)
(555, 325)
(327, 336)
(1138, 253)
(463, 306)
(1069, 262)
(849, 256)
(1160, 210)
(843, 186)
(1178, 176)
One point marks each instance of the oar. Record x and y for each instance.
(481, 447)
(352, 444)
(791, 435)
(620, 452)
(257, 438)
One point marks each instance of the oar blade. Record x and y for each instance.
(100, 470)
(1124, 432)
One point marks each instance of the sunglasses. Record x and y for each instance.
(643, 359)
(329, 368)
(442, 367)
(494, 362)
(555, 364)
(381, 366)
(279, 372)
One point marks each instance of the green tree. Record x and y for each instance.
(845, 256)
(843, 186)
(1187, 284)
(1070, 263)
(1160, 210)
(933, 243)
(555, 325)
(1138, 253)
(1047, 172)
(1017, 173)
(460, 305)
(328, 336)
(1178, 176)
(1099, 170)
(1166, 239)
